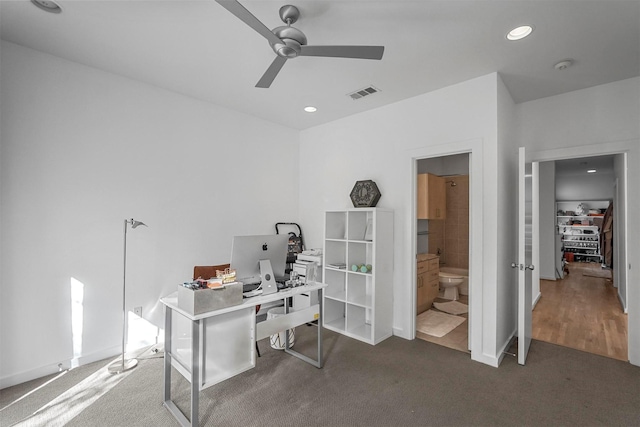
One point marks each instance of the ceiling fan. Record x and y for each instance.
(289, 42)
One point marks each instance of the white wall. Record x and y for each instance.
(547, 223)
(506, 212)
(379, 145)
(585, 187)
(595, 121)
(457, 164)
(81, 150)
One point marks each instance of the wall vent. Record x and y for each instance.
(361, 93)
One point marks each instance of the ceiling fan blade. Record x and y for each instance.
(272, 72)
(245, 16)
(359, 52)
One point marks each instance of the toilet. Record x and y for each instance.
(449, 282)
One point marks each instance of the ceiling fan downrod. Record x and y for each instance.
(291, 37)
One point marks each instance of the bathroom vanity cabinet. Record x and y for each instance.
(358, 271)
(428, 284)
(432, 201)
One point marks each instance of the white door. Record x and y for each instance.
(525, 252)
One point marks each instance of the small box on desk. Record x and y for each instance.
(200, 301)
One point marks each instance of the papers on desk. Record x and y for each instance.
(253, 293)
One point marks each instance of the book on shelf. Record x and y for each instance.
(339, 265)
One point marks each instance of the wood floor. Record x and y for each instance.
(458, 339)
(582, 312)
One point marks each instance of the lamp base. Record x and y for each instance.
(119, 366)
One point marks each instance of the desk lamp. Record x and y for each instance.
(122, 365)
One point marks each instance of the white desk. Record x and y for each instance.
(210, 347)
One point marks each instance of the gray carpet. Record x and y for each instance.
(397, 382)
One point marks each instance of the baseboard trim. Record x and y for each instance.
(399, 332)
(486, 359)
(42, 371)
(623, 303)
(535, 301)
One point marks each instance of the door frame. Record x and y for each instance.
(625, 148)
(474, 148)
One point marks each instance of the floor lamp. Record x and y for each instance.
(122, 365)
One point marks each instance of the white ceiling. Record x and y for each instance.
(579, 166)
(199, 49)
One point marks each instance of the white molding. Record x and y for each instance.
(475, 148)
(42, 371)
(535, 300)
(629, 147)
(399, 332)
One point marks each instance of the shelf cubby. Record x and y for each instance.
(337, 253)
(335, 225)
(336, 284)
(359, 253)
(334, 315)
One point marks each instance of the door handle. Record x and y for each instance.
(514, 265)
(530, 267)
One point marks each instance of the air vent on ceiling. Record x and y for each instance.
(361, 93)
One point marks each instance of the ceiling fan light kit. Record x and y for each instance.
(289, 42)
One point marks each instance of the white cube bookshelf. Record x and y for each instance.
(359, 304)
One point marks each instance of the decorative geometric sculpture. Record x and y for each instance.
(365, 194)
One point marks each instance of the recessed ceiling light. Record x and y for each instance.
(310, 109)
(520, 32)
(591, 171)
(48, 5)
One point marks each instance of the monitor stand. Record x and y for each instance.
(269, 285)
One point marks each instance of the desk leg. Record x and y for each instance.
(167, 354)
(195, 372)
(320, 297)
(286, 331)
(318, 362)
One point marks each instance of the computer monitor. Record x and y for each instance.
(248, 251)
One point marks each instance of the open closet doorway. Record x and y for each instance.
(581, 300)
(442, 251)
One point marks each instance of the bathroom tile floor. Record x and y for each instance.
(458, 339)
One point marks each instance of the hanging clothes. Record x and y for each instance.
(606, 237)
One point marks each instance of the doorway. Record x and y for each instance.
(442, 251)
(580, 302)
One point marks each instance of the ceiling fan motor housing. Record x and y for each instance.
(292, 39)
